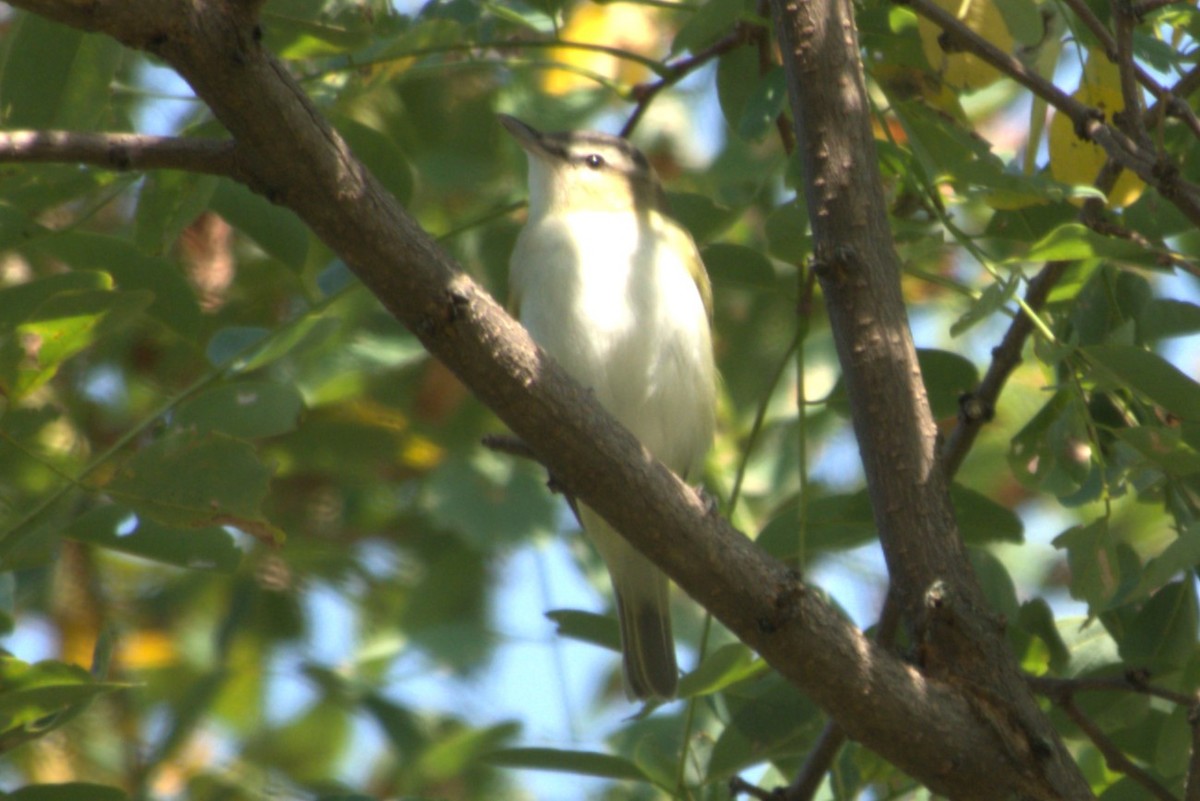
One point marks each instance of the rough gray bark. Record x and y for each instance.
(959, 640)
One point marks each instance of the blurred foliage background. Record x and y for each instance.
(251, 543)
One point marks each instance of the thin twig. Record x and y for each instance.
(977, 408)
(1055, 688)
(673, 73)
(121, 151)
(1131, 115)
(1114, 757)
(739, 786)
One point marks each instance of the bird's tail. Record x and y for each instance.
(643, 607)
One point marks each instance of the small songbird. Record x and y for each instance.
(616, 292)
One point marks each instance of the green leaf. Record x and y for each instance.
(1162, 318)
(243, 409)
(1103, 570)
(835, 522)
(312, 331)
(119, 528)
(170, 201)
(1164, 447)
(763, 106)
(59, 328)
(981, 520)
(737, 76)
(454, 755)
(1091, 647)
(788, 238)
(488, 500)
(1046, 454)
(1149, 375)
(1075, 242)
(708, 23)
(738, 265)
(588, 627)
(775, 722)
(992, 300)
(727, 665)
(1163, 634)
(192, 479)
(276, 229)
(1037, 618)
(1183, 554)
(700, 215)
(995, 581)
(947, 376)
(308, 746)
(67, 791)
(174, 302)
(36, 698)
(54, 76)
(18, 303)
(582, 763)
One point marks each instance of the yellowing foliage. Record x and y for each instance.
(1074, 161)
(964, 70)
(623, 26)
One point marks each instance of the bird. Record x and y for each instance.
(616, 292)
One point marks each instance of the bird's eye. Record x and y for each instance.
(594, 160)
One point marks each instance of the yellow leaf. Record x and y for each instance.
(623, 26)
(965, 70)
(1074, 161)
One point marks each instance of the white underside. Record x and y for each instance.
(625, 318)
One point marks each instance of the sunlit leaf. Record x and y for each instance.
(1074, 161)
(965, 70)
(1037, 618)
(59, 328)
(37, 698)
(727, 665)
(174, 303)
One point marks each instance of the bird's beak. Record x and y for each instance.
(529, 138)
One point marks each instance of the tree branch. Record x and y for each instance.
(1114, 757)
(673, 73)
(859, 271)
(121, 151)
(290, 153)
